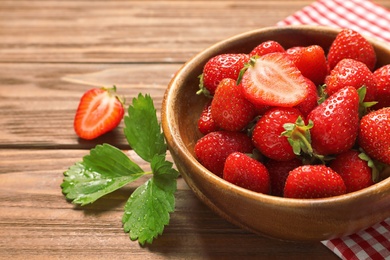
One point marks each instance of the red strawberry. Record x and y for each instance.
(266, 47)
(351, 44)
(382, 77)
(374, 134)
(100, 110)
(355, 171)
(278, 172)
(336, 122)
(229, 108)
(274, 80)
(294, 49)
(267, 136)
(246, 172)
(313, 181)
(311, 101)
(212, 149)
(220, 67)
(311, 61)
(206, 122)
(349, 72)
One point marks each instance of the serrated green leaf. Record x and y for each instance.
(148, 208)
(142, 130)
(104, 170)
(163, 173)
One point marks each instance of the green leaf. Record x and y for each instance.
(364, 106)
(148, 208)
(142, 129)
(164, 173)
(104, 170)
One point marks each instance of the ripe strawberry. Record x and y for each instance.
(349, 72)
(374, 134)
(220, 67)
(355, 171)
(267, 136)
(278, 172)
(246, 172)
(274, 80)
(311, 61)
(100, 110)
(335, 122)
(313, 181)
(294, 49)
(206, 122)
(229, 108)
(212, 149)
(351, 44)
(311, 101)
(266, 47)
(382, 77)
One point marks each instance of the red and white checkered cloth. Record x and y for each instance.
(371, 19)
(363, 16)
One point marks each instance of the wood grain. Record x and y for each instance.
(36, 220)
(127, 31)
(38, 101)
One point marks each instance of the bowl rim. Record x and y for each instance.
(178, 146)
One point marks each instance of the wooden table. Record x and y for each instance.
(51, 52)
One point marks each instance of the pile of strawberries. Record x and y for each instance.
(302, 122)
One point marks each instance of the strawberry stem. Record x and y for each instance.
(376, 167)
(298, 135)
(364, 106)
(202, 89)
(247, 65)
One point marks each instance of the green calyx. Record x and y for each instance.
(202, 89)
(112, 92)
(250, 63)
(376, 167)
(298, 135)
(364, 106)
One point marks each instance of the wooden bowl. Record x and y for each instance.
(286, 219)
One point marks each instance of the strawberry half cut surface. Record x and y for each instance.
(100, 110)
(274, 80)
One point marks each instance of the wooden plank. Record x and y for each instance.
(127, 31)
(38, 101)
(36, 220)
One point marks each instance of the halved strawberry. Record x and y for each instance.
(100, 110)
(274, 80)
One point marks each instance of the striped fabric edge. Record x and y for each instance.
(372, 243)
(362, 16)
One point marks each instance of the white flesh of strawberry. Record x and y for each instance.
(274, 80)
